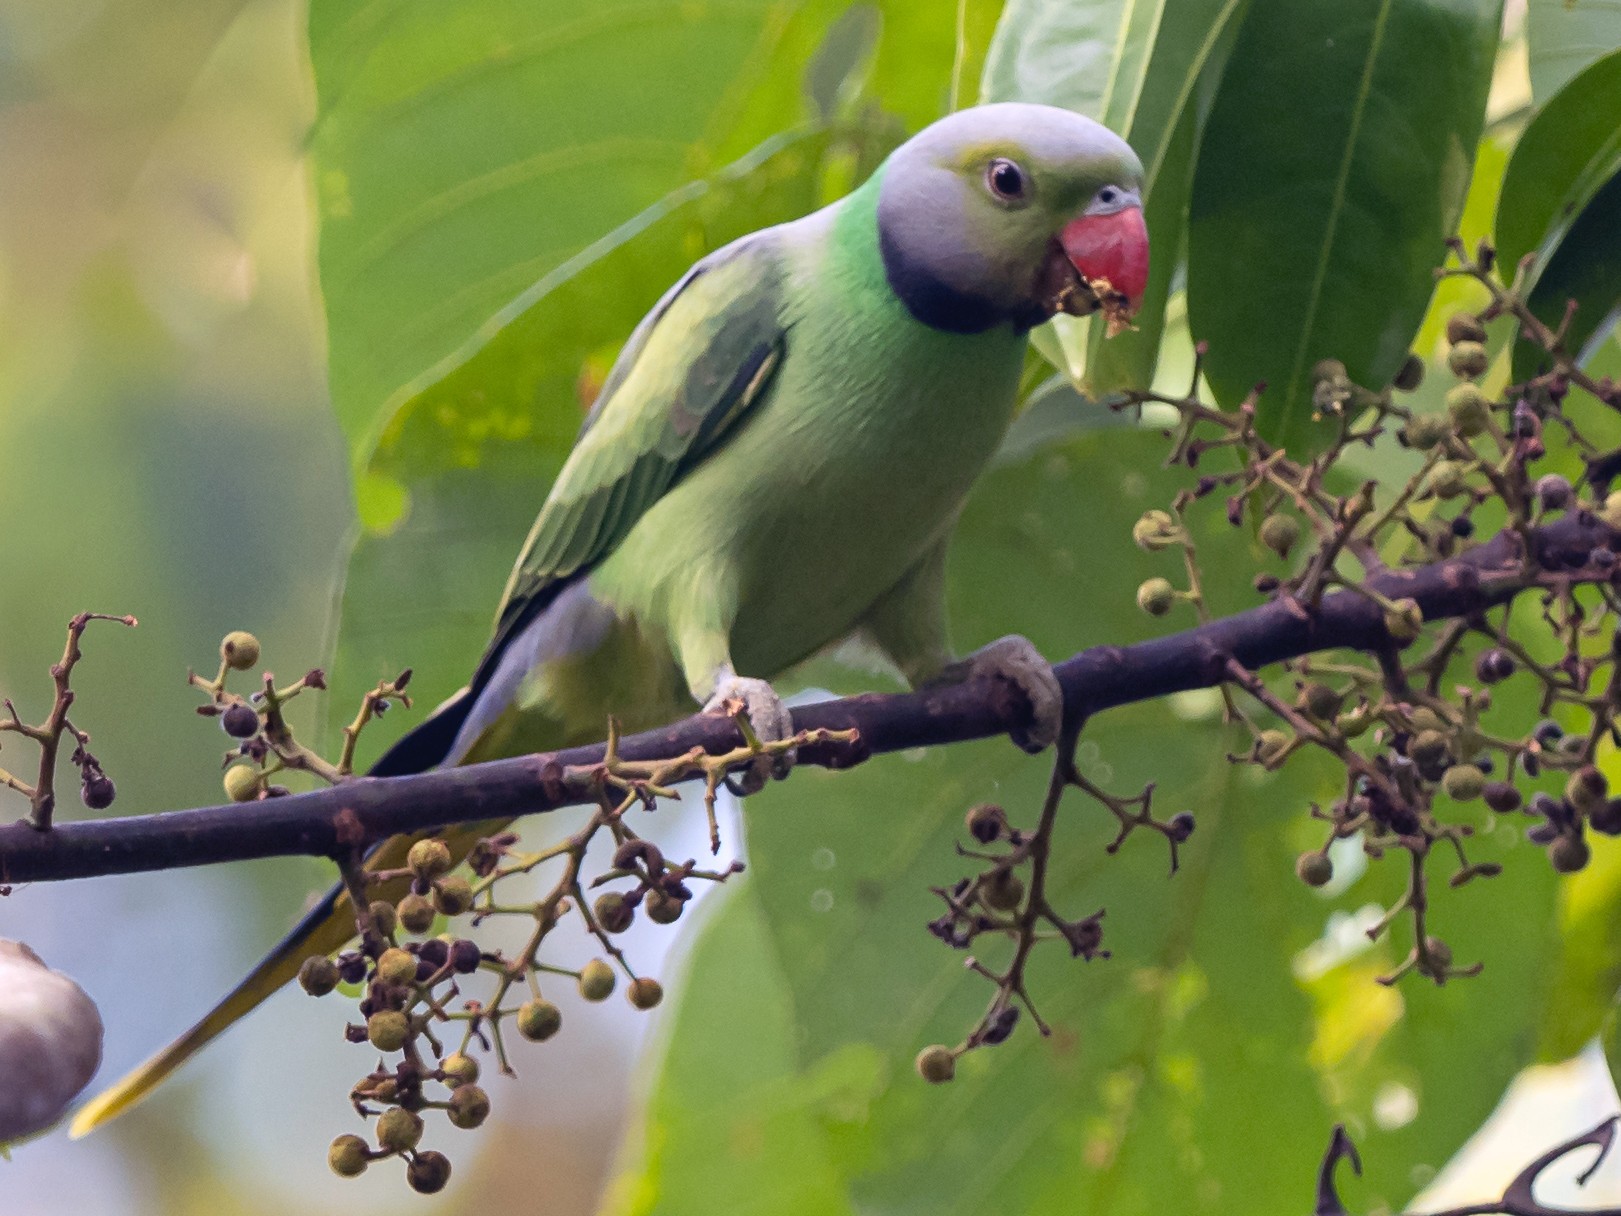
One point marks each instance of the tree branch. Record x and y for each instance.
(333, 822)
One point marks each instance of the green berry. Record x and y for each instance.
(459, 1069)
(936, 1064)
(388, 1029)
(1467, 359)
(319, 975)
(348, 1156)
(469, 1106)
(1463, 782)
(645, 993)
(1424, 718)
(1279, 533)
(1461, 327)
(452, 896)
(1469, 410)
(539, 1020)
(1156, 596)
(1449, 478)
(383, 917)
(663, 909)
(1156, 530)
(415, 913)
(596, 980)
(1270, 746)
(240, 650)
(613, 913)
(1314, 869)
(428, 859)
(241, 783)
(399, 1130)
(1404, 620)
(396, 966)
(1424, 431)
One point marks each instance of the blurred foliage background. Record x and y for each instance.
(488, 195)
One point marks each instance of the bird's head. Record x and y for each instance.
(1006, 212)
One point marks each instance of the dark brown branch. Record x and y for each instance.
(1518, 1198)
(332, 822)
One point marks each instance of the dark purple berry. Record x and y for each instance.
(239, 721)
(464, 956)
(98, 792)
(1494, 666)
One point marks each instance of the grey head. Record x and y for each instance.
(989, 215)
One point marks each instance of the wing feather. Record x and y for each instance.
(688, 376)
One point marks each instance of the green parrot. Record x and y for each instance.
(774, 464)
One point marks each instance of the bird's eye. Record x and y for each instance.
(1108, 196)
(1006, 179)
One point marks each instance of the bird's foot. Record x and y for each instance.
(1015, 661)
(768, 718)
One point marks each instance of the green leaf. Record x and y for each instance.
(1568, 152)
(1559, 202)
(1335, 160)
(1223, 1020)
(763, 1153)
(1564, 36)
(1584, 269)
(463, 151)
(1136, 68)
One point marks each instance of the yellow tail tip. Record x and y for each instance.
(128, 1091)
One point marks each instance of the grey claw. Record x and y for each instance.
(768, 718)
(1016, 660)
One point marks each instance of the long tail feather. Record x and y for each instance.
(324, 930)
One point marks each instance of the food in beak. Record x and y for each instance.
(1111, 253)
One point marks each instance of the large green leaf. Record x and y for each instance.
(1569, 151)
(1559, 203)
(1335, 160)
(1135, 67)
(1565, 36)
(1222, 1022)
(465, 150)
(1584, 268)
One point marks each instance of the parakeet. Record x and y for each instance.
(775, 463)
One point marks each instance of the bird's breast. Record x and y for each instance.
(851, 468)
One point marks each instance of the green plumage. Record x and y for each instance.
(775, 463)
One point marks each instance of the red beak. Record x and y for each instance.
(1112, 247)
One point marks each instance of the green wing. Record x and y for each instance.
(689, 374)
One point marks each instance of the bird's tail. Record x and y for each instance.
(323, 930)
